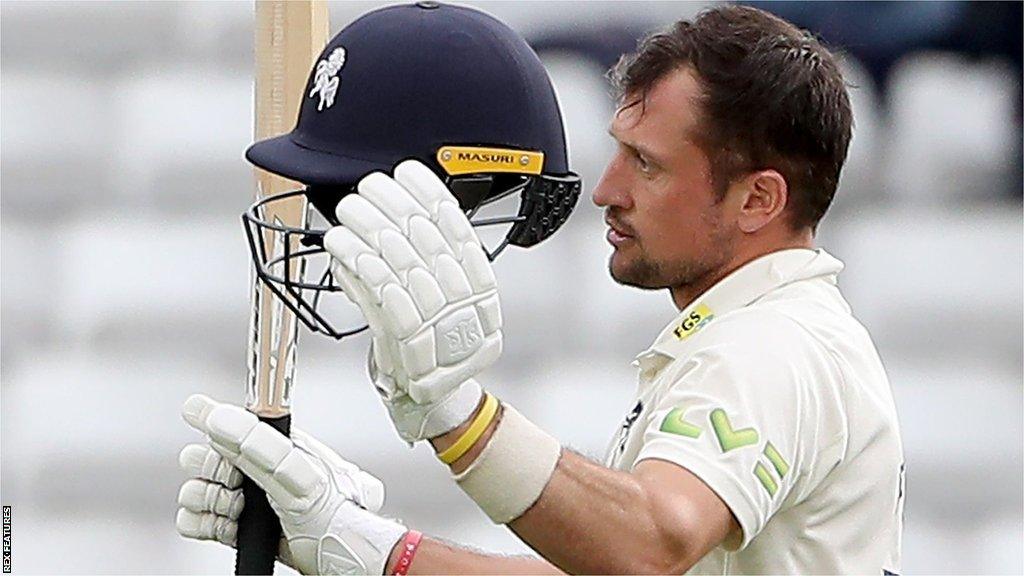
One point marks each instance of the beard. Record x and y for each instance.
(647, 273)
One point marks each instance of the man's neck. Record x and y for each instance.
(683, 296)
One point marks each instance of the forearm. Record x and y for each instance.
(436, 557)
(591, 519)
(611, 520)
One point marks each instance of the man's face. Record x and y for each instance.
(665, 221)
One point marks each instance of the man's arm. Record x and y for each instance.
(589, 519)
(659, 519)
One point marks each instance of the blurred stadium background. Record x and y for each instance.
(125, 274)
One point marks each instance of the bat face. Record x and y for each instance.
(273, 327)
(289, 37)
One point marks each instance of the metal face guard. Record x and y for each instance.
(276, 270)
(545, 204)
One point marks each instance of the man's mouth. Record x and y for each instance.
(617, 233)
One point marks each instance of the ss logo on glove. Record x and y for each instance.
(463, 338)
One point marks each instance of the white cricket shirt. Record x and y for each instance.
(769, 391)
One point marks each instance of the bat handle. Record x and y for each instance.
(259, 529)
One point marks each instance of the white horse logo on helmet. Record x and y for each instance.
(325, 79)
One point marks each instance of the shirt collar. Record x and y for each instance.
(740, 288)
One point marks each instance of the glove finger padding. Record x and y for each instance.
(365, 271)
(205, 496)
(259, 451)
(390, 199)
(442, 206)
(428, 241)
(425, 187)
(201, 461)
(364, 218)
(206, 526)
(455, 228)
(408, 212)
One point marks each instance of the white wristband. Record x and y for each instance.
(512, 470)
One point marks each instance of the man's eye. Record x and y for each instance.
(643, 164)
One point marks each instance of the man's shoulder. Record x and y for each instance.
(755, 327)
(793, 318)
(761, 345)
(804, 329)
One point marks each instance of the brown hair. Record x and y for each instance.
(773, 97)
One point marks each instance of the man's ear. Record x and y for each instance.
(765, 195)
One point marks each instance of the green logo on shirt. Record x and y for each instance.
(674, 424)
(780, 465)
(729, 438)
(766, 479)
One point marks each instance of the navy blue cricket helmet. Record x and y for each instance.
(448, 85)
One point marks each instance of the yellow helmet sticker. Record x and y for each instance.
(458, 160)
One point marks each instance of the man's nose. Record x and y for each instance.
(612, 189)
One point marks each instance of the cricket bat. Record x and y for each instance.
(290, 34)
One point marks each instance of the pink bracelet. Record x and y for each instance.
(410, 544)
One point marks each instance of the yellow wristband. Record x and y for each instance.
(473, 433)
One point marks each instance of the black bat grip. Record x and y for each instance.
(259, 530)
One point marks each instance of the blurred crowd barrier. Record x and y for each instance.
(125, 276)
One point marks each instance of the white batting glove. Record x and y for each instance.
(210, 501)
(326, 504)
(406, 254)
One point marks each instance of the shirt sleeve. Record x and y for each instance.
(754, 411)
